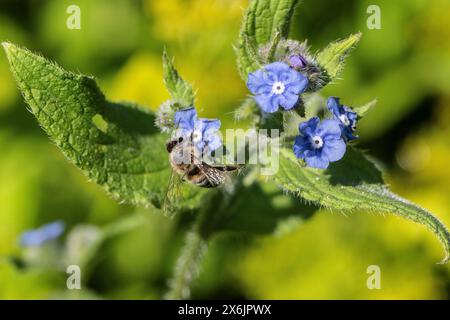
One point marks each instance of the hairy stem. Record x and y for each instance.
(187, 267)
(208, 220)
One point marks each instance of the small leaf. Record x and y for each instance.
(116, 145)
(179, 90)
(255, 61)
(364, 108)
(354, 183)
(274, 42)
(332, 58)
(262, 21)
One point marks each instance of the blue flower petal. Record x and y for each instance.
(299, 85)
(206, 125)
(185, 120)
(349, 134)
(351, 115)
(301, 144)
(277, 68)
(209, 138)
(334, 149)
(290, 101)
(309, 127)
(317, 161)
(256, 82)
(213, 142)
(334, 106)
(266, 103)
(329, 129)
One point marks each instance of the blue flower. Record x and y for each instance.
(319, 143)
(202, 132)
(38, 237)
(345, 116)
(276, 85)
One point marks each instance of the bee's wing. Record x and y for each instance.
(214, 176)
(173, 193)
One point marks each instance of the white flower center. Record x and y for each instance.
(278, 87)
(344, 120)
(317, 142)
(196, 136)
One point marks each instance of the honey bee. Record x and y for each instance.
(183, 159)
(187, 167)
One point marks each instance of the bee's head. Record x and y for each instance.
(172, 143)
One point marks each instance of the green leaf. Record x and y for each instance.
(262, 21)
(354, 183)
(115, 145)
(332, 58)
(274, 42)
(266, 207)
(254, 58)
(179, 90)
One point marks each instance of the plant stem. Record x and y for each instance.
(187, 267)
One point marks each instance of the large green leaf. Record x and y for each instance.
(116, 145)
(354, 183)
(263, 21)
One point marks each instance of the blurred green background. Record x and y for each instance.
(406, 65)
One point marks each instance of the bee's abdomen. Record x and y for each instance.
(198, 178)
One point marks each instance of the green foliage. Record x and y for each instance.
(264, 20)
(332, 57)
(179, 90)
(266, 208)
(116, 145)
(353, 183)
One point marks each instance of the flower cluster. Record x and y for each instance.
(320, 143)
(280, 84)
(203, 133)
